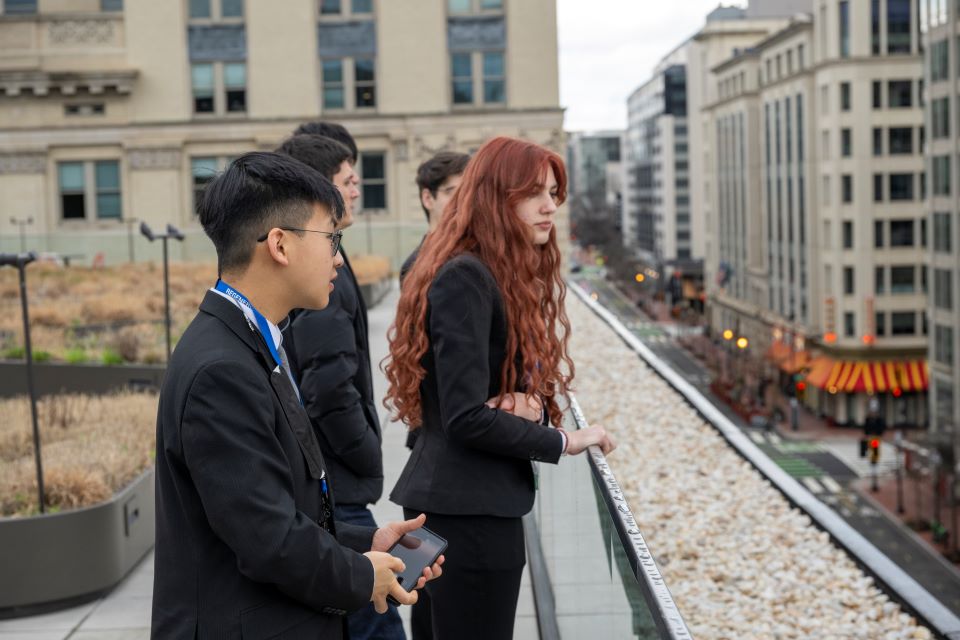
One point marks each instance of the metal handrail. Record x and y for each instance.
(666, 614)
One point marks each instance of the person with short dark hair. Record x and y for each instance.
(331, 130)
(330, 356)
(246, 541)
(437, 181)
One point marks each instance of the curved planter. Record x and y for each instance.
(58, 377)
(62, 558)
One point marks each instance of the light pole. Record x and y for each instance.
(20, 261)
(129, 222)
(176, 234)
(22, 222)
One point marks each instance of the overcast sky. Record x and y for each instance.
(609, 47)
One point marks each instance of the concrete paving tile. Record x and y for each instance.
(525, 628)
(33, 635)
(64, 620)
(141, 633)
(120, 613)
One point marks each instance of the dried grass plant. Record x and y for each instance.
(92, 447)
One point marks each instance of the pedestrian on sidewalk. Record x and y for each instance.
(246, 541)
(330, 358)
(481, 314)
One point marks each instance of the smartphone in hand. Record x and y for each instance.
(418, 549)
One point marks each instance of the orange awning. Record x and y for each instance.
(869, 376)
(795, 362)
(778, 351)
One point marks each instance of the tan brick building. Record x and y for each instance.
(111, 111)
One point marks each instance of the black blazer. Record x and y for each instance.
(470, 459)
(239, 551)
(329, 354)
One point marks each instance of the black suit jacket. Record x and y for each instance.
(239, 551)
(470, 459)
(329, 354)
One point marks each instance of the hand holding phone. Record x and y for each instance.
(418, 549)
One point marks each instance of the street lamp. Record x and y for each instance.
(176, 234)
(22, 222)
(20, 261)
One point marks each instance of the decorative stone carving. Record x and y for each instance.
(424, 151)
(219, 42)
(339, 39)
(400, 150)
(486, 33)
(31, 162)
(82, 32)
(160, 158)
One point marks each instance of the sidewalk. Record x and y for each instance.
(124, 613)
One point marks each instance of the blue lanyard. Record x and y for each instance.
(262, 323)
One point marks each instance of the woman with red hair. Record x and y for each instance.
(481, 328)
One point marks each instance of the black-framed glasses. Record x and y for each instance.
(335, 236)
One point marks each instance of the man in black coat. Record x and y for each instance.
(330, 358)
(246, 543)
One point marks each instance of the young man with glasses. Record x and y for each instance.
(246, 541)
(331, 360)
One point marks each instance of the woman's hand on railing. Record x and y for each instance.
(580, 439)
(520, 405)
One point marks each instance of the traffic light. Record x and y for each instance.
(874, 450)
(801, 391)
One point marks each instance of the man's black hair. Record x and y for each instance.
(317, 152)
(257, 192)
(432, 173)
(331, 130)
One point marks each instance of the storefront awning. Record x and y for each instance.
(868, 376)
(787, 359)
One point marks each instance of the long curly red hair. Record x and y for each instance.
(482, 220)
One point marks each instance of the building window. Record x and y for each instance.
(877, 94)
(365, 83)
(373, 178)
(899, 94)
(849, 286)
(849, 324)
(943, 350)
(202, 171)
(493, 78)
(898, 26)
(880, 323)
(231, 76)
(901, 186)
(848, 234)
(902, 279)
(348, 83)
(462, 74)
(235, 86)
(901, 233)
(939, 61)
(941, 175)
(472, 6)
(901, 140)
(940, 118)
(80, 202)
(847, 182)
(333, 94)
(339, 7)
(844, 96)
(943, 289)
(879, 280)
(875, 27)
(111, 5)
(19, 7)
(878, 234)
(215, 9)
(942, 232)
(846, 143)
(878, 187)
(903, 323)
(878, 141)
(844, 7)
(203, 87)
